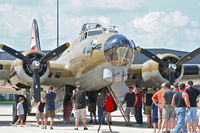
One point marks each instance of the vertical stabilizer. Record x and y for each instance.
(35, 40)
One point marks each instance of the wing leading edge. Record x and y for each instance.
(138, 77)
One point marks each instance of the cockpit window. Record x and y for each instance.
(95, 32)
(90, 29)
(90, 33)
(90, 26)
(83, 36)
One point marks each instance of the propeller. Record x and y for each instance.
(188, 57)
(55, 52)
(14, 53)
(169, 67)
(150, 55)
(36, 85)
(35, 64)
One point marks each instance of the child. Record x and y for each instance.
(20, 112)
(154, 112)
(40, 112)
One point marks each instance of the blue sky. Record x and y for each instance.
(150, 23)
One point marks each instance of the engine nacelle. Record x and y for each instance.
(154, 74)
(21, 74)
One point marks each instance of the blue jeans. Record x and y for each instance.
(100, 114)
(191, 114)
(180, 114)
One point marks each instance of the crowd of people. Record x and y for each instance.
(174, 108)
(169, 109)
(45, 109)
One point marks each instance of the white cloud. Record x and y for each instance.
(120, 4)
(154, 29)
(17, 18)
(16, 25)
(71, 26)
(155, 21)
(13, 25)
(169, 30)
(110, 4)
(5, 8)
(195, 24)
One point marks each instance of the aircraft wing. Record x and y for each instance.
(58, 76)
(135, 69)
(139, 75)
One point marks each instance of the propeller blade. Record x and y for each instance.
(151, 56)
(36, 85)
(171, 77)
(189, 56)
(15, 53)
(55, 52)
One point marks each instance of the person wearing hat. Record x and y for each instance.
(191, 115)
(78, 98)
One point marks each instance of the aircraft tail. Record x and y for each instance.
(35, 40)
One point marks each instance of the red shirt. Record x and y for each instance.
(139, 101)
(109, 105)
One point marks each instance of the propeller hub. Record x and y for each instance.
(36, 64)
(172, 66)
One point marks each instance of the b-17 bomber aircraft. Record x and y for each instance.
(98, 58)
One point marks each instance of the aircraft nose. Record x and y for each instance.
(118, 50)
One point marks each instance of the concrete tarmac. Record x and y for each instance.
(61, 127)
